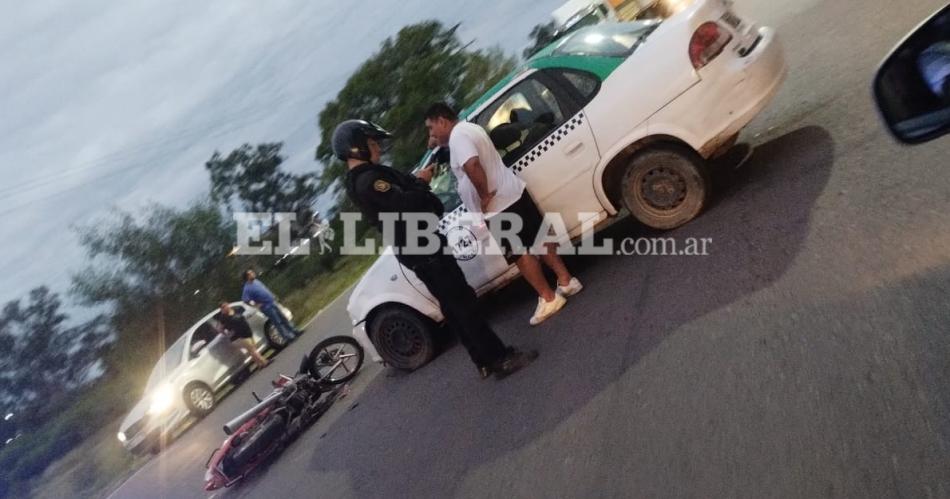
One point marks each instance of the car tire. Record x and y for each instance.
(275, 340)
(402, 337)
(197, 399)
(665, 187)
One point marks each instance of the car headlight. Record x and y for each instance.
(122, 438)
(162, 400)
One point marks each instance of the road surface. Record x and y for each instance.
(806, 356)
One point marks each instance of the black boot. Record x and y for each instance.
(513, 362)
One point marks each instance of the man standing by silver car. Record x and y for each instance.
(255, 293)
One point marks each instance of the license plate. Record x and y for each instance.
(732, 20)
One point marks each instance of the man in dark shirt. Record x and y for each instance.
(236, 328)
(378, 189)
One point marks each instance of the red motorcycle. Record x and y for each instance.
(295, 404)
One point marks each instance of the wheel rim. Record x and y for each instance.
(201, 398)
(401, 338)
(274, 336)
(662, 189)
(336, 361)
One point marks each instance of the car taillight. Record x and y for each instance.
(707, 43)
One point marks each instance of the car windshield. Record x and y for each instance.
(443, 184)
(607, 40)
(166, 364)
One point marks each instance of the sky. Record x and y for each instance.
(107, 105)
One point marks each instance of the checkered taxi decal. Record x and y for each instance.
(451, 218)
(555, 137)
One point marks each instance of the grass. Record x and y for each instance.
(99, 464)
(324, 288)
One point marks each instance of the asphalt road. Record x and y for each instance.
(806, 356)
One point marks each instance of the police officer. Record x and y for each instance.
(377, 189)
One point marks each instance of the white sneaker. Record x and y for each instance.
(547, 309)
(573, 287)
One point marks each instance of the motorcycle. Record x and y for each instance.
(295, 404)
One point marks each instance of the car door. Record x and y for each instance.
(540, 130)
(256, 320)
(218, 358)
(477, 254)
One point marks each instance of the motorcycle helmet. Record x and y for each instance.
(350, 139)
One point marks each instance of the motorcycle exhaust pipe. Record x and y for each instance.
(233, 425)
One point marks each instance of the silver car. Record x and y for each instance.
(185, 380)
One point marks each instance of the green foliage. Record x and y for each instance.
(250, 178)
(422, 64)
(149, 267)
(543, 35)
(40, 357)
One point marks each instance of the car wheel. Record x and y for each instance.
(665, 187)
(274, 339)
(403, 338)
(199, 398)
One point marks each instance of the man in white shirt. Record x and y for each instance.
(486, 186)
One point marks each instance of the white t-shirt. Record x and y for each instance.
(467, 141)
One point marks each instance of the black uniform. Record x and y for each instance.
(379, 189)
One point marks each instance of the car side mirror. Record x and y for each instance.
(912, 87)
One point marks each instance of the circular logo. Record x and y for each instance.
(465, 246)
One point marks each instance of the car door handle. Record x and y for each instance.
(574, 148)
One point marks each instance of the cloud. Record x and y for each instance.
(120, 103)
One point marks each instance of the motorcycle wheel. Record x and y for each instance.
(335, 360)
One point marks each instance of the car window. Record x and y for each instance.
(445, 186)
(588, 17)
(586, 84)
(607, 40)
(521, 118)
(205, 332)
(166, 364)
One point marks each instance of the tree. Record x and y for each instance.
(543, 35)
(251, 179)
(41, 358)
(423, 63)
(166, 264)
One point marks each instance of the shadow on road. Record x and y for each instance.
(418, 435)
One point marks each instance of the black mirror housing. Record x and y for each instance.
(912, 86)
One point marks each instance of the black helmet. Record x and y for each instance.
(349, 139)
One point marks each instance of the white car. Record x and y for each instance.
(613, 116)
(184, 381)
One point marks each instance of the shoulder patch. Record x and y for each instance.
(381, 185)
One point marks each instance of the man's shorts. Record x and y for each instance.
(531, 220)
